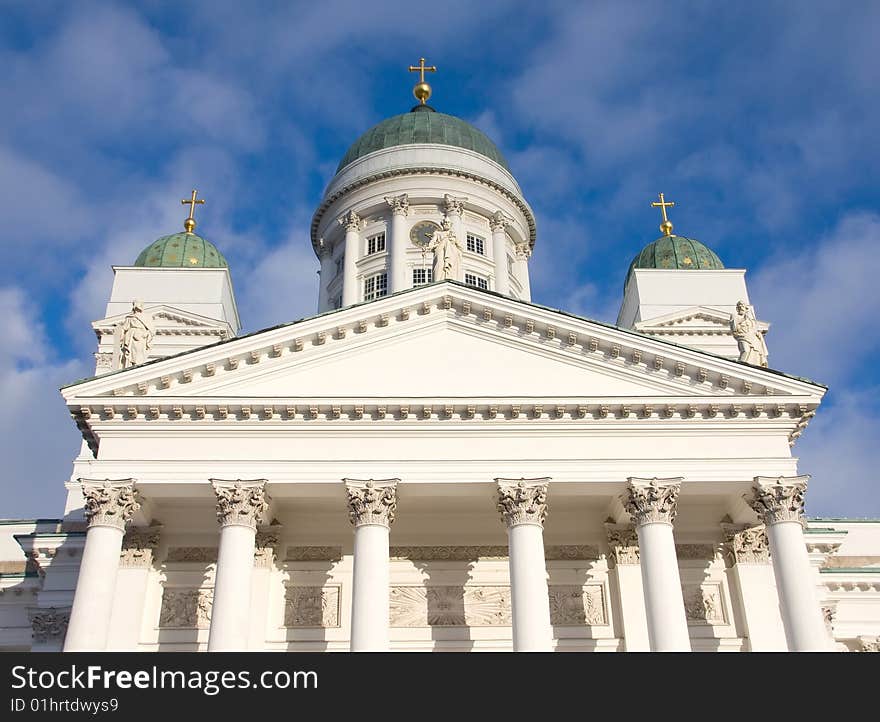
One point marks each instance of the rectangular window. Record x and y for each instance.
(471, 279)
(475, 244)
(421, 276)
(375, 286)
(376, 244)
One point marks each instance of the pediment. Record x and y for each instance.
(694, 320)
(169, 319)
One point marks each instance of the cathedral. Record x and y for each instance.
(433, 461)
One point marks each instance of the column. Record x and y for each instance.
(371, 508)
(748, 557)
(398, 243)
(523, 253)
(498, 224)
(267, 544)
(652, 505)
(135, 564)
(523, 507)
(623, 541)
(326, 275)
(779, 501)
(454, 208)
(240, 507)
(350, 291)
(108, 506)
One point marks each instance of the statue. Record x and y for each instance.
(136, 336)
(744, 326)
(447, 253)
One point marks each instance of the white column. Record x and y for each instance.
(523, 507)
(623, 541)
(135, 565)
(779, 501)
(240, 506)
(352, 223)
(398, 243)
(523, 253)
(109, 505)
(326, 275)
(652, 505)
(371, 508)
(498, 223)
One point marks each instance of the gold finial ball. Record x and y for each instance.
(666, 227)
(422, 91)
(189, 224)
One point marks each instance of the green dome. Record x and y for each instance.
(422, 124)
(675, 253)
(181, 250)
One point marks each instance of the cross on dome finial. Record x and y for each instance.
(666, 226)
(422, 91)
(190, 223)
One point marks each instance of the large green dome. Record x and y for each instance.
(422, 124)
(675, 253)
(181, 250)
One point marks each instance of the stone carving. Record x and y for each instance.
(139, 545)
(498, 221)
(523, 252)
(572, 552)
(624, 542)
(103, 362)
(373, 501)
(869, 644)
(135, 336)
(109, 503)
(576, 606)
(242, 503)
(453, 205)
(48, 623)
(266, 545)
(652, 500)
(702, 605)
(522, 501)
(186, 608)
(778, 499)
(203, 555)
(313, 554)
(449, 606)
(695, 551)
(447, 253)
(829, 614)
(311, 607)
(399, 204)
(746, 544)
(351, 221)
(750, 339)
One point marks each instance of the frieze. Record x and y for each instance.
(203, 555)
(449, 606)
(313, 554)
(695, 551)
(703, 605)
(186, 608)
(573, 552)
(311, 606)
(576, 606)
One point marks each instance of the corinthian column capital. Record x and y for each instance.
(373, 501)
(654, 500)
(454, 206)
(498, 221)
(351, 221)
(779, 498)
(240, 502)
(399, 204)
(109, 502)
(522, 501)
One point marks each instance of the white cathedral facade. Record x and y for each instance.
(434, 462)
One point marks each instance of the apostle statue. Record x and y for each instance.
(447, 253)
(136, 336)
(744, 326)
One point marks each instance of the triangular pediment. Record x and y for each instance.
(697, 319)
(170, 319)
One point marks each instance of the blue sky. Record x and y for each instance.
(758, 118)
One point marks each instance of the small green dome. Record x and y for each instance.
(423, 124)
(675, 253)
(181, 250)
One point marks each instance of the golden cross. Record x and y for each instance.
(666, 226)
(422, 91)
(190, 223)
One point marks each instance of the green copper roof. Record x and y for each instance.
(675, 253)
(422, 124)
(181, 250)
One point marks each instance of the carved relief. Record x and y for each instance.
(109, 503)
(242, 503)
(695, 551)
(449, 606)
(313, 554)
(139, 545)
(266, 545)
(702, 604)
(187, 608)
(576, 606)
(372, 501)
(746, 544)
(48, 623)
(652, 500)
(311, 606)
(522, 501)
(624, 543)
(869, 644)
(778, 499)
(204, 555)
(572, 552)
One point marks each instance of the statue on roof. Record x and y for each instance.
(136, 334)
(447, 253)
(744, 326)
